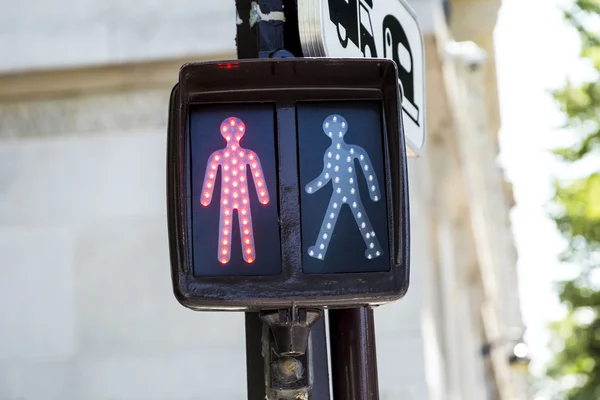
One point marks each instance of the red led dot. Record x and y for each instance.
(233, 147)
(238, 137)
(247, 241)
(206, 194)
(245, 222)
(223, 261)
(234, 161)
(259, 183)
(242, 178)
(232, 122)
(241, 153)
(226, 190)
(254, 165)
(262, 193)
(227, 212)
(213, 166)
(225, 241)
(242, 167)
(250, 260)
(235, 172)
(243, 190)
(226, 154)
(225, 201)
(225, 232)
(235, 205)
(211, 175)
(264, 201)
(235, 195)
(257, 174)
(245, 201)
(209, 185)
(224, 251)
(226, 222)
(251, 156)
(225, 128)
(226, 179)
(248, 250)
(226, 167)
(228, 138)
(234, 183)
(244, 211)
(242, 127)
(246, 231)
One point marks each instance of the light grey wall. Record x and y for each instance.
(86, 306)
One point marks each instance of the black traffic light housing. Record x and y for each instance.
(279, 102)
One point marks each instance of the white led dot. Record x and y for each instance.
(325, 236)
(337, 156)
(328, 225)
(327, 175)
(369, 256)
(344, 199)
(337, 179)
(373, 233)
(311, 253)
(363, 225)
(368, 235)
(351, 180)
(334, 119)
(373, 188)
(336, 169)
(370, 177)
(330, 154)
(376, 198)
(335, 205)
(332, 215)
(362, 157)
(366, 167)
(319, 184)
(339, 190)
(326, 124)
(309, 190)
(348, 159)
(352, 191)
(359, 215)
(320, 256)
(329, 165)
(343, 124)
(351, 151)
(329, 134)
(354, 205)
(371, 245)
(322, 246)
(377, 254)
(340, 134)
(350, 169)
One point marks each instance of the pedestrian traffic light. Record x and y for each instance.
(287, 184)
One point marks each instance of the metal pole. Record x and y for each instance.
(258, 38)
(353, 354)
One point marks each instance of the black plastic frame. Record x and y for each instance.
(286, 82)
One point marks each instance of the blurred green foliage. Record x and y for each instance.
(576, 340)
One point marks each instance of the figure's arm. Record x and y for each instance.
(258, 176)
(367, 168)
(320, 180)
(208, 185)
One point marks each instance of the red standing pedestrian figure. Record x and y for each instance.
(233, 160)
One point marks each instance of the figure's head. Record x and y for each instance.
(233, 129)
(335, 126)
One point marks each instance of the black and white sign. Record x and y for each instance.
(372, 28)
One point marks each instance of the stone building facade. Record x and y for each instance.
(84, 88)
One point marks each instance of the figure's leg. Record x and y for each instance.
(247, 232)
(224, 254)
(319, 250)
(366, 229)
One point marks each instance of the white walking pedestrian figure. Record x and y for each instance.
(339, 167)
